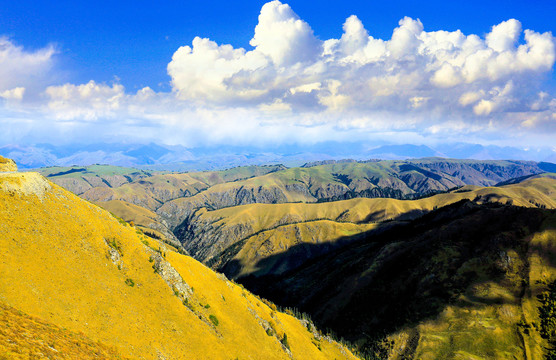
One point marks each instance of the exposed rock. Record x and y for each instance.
(167, 272)
(29, 183)
(7, 164)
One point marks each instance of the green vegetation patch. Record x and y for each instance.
(547, 314)
(213, 319)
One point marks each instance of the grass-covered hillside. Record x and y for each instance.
(79, 179)
(176, 196)
(74, 274)
(273, 238)
(155, 191)
(466, 281)
(236, 219)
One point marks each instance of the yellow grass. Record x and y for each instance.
(57, 266)
(24, 337)
(279, 240)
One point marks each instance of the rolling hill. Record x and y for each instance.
(175, 197)
(234, 218)
(239, 240)
(424, 258)
(74, 274)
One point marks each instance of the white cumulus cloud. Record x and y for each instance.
(20, 68)
(363, 72)
(87, 101)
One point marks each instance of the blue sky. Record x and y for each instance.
(133, 67)
(134, 40)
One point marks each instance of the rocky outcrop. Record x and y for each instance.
(7, 164)
(28, 183)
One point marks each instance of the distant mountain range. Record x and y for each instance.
(179, 158)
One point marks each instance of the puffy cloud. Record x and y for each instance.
(206, 69)
(13, 94)
(293, 86)
(283, 37)
(451, 70)
(504, 36)
(87, 101)
(23, 69)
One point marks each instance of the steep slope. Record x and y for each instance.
(479, 172)
(339, 181)
(460, 282)
(132, 201)
(25, 337)
(71, 264)
(237, 240)
(149, 222)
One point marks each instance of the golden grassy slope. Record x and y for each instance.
(143, 218)
(271, 242)
(25, 337)
(150, 192)
(72, 264)
(155, 190)
(265, 216)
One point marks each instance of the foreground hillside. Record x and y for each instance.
(72, 272)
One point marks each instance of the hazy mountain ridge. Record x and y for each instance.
(175, 201)
(79, 179)
(172, 201)
(178, 158)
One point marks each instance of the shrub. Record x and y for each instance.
(213, 319)
(115, 244)
(284, 341)
(156, 268)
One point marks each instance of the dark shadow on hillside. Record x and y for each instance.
(383, 282)
(299, 254)
(70, 171)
